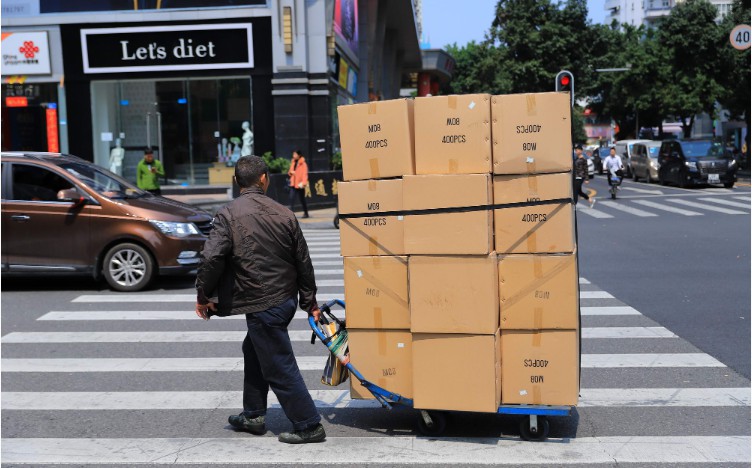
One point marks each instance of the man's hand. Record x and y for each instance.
(300, 185)
(315, 313)
(202, 310)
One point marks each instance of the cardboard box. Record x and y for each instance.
(462, 233)
(371, 235)
(385, 358)
(454, 294)
(534, 229)
(531, 133)
(539, 292)
(376, 293)
(456, 372)
(453, 134)
(377, 139)
(540, 367)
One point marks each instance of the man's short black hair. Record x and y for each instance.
(248, 171)
(148, 150)
(578, 147)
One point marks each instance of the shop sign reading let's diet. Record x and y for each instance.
(164, 48)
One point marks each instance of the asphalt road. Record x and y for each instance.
(691, 274)
(95, 378)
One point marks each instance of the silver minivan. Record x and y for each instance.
(644, 161)
(624, 149)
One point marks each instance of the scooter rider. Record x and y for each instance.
(613, 166)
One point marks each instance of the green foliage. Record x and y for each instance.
(678, 69)
(276, 165)
(578, 126)
(337, 161)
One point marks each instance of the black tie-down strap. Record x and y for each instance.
(458, 209)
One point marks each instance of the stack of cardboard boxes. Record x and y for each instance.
(450, 302)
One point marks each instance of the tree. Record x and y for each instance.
(691, 37)
(736, 70)
(478, 69)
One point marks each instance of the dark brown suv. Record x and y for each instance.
(62, 214)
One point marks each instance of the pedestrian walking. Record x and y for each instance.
(256, 263)
(298, 174)
(148, 172)
(581, 176)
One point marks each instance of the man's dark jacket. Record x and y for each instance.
(255, 258)
(580, 168)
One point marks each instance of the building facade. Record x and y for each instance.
(184, 81)
(648, 12)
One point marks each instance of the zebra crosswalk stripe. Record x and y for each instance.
(723, 201)
(628, 209)
(660, 206)
(427, 451)
(188, 400)
(238, 336)
(743, 198)
(593, 212)
(703, 206)
(219, 364)
(148, 297)
(189, 314)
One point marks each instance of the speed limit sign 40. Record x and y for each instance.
(739, 37)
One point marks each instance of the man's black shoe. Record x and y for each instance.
(242, 422)
(306, 215)
(307, 436)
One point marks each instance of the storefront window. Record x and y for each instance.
(190, 124)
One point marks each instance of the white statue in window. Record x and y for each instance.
(116, 158)
(247, 149)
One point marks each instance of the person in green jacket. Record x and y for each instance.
(148, 173)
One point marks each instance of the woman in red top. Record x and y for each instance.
(298, 174)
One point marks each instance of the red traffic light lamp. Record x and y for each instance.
(565, 82)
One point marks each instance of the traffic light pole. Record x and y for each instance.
(565, 82)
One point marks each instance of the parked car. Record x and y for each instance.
(645, 161)
(62, 214)
(624, 150)
(690, 162)
(601, 156)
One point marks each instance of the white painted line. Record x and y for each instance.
(135, 315)
(743, 198)
(329, 283)
(329, 272)
(601, 311)
(109, 401)
(723, 201)
(694, 397)
(703, 206)
(626, 332)
(660, 206)
(237, 336)
(584, 281)
(595, 295)
(147, 297)
(593, 212)
(317, 256)
(639, 190)
(349, 451)
(628, 209)
(316, 363)
(327, 263)
(649, 360)
(86, 315)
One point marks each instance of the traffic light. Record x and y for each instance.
(565, 83)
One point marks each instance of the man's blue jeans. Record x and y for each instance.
(270, 362)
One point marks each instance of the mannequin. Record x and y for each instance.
(116, 158)
(247, 149)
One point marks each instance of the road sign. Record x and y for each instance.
(740, 37)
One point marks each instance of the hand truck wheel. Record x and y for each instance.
(534, 428)
(431, 423)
